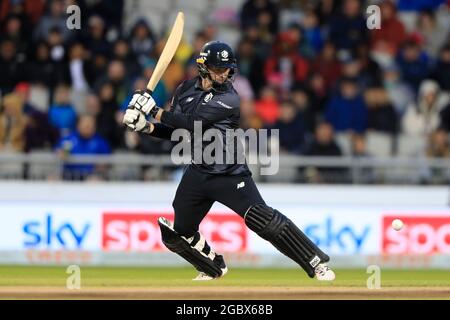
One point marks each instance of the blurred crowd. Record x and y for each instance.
(319, 75)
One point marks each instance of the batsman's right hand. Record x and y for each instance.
(135, 120)
(143, 101)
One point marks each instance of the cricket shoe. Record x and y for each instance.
(204, 277)
(324, 273)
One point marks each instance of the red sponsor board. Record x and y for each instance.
(132, 231)
(420, 235)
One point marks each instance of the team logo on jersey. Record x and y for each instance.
(189, 99)
(208, 97)
(224, 55)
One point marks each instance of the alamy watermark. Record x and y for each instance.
(74, 20)
(373, 17)
(227, 147)
(73, 281)
(374, 280)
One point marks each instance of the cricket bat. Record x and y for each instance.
(168, 52)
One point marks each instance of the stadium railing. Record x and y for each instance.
(124, 166)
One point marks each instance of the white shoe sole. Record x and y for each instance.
(205, 277)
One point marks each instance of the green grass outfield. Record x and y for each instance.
(37, 276)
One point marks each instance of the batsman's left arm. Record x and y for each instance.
(207, 116)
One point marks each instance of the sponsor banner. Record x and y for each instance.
(338, 230)
(423, 233)
(52, 228)
(133, 231)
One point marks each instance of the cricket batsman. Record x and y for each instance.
(211, 99)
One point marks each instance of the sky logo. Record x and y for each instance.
(340, 238)
(47, 234)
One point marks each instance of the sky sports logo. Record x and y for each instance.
(140, 232)
(125, 231)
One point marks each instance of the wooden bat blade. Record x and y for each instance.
(168, 52)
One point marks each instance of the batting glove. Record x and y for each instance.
(135, 120)
(143, 101)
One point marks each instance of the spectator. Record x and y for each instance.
(55, 41)
(327, 65)
(360, 66)
(312, 32)
(83, 141)
(62, 114)
(326, 9)
(444, 118)
(400, 94)
(267, 106)
(359, 147)
(323, 145)
(381, 114)
(413, 63)
(348, 29)
(39, 133)
(370, 70)
(347, 110)
(41, 70)
(301, 101)
(433, 33)
(243, 88)
(54, 19)
(122, 52)
(359, 150)
(116, 76)
(249, 117)
(95, 38)
(96, 68)
(13, 123)
(441, 71)
(14, 31)
(250, 64)
(11, 69)
(209, 30)
(142, 40)
(392, 34)
(422, 118)
(110, 11)
(285, 66)
(261, 42)
(298, 35)
(292, 128)
(28, 11)
(319, 94)
(418, 5)
(264, 13)
(438, 148)
(77, 68)
(108, 124)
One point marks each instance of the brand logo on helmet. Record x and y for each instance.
(224, 55)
